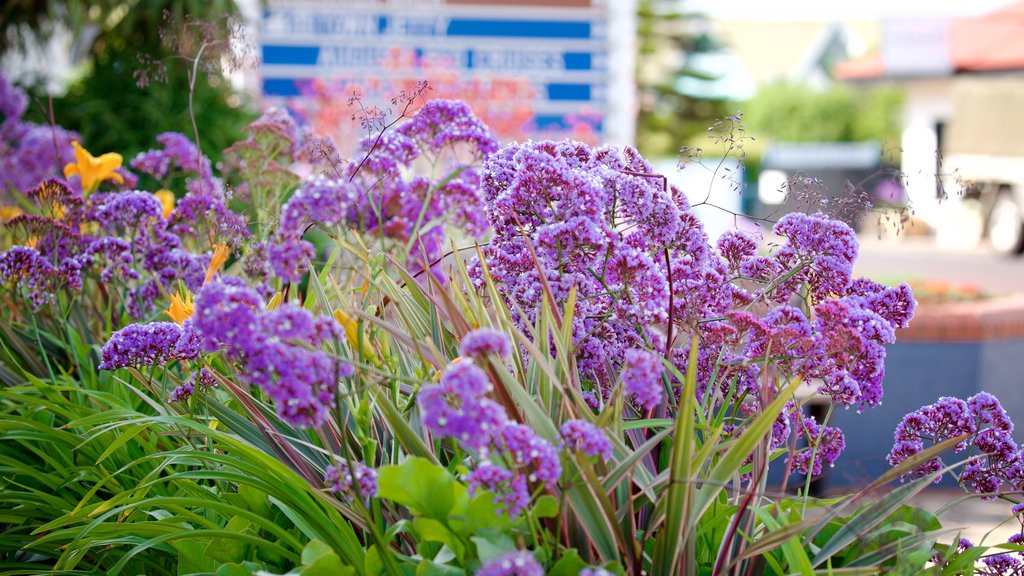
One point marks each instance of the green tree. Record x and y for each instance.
(797, 113)
(106, 105)
(668, 117)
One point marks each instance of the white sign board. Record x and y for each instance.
(564, 50)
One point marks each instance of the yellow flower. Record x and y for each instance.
(181, 307)
(94, 170)
(166, 197)
(8, 212)
(275, 301)
(352, 334)
(220, 256)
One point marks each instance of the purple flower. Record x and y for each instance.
(440, 124)
(824, 445)
(984, 421)
(1001, 564)
(595, 571)
(641, 373)
(519, 563)
(289, 257)
(736, 247)
(484, 341)
(278, 350)
(318, 200)
(525, 450)
(179, 151)
(582, 436)
(144, 345)
(201, 379)
(825, 247)
(457, 407)
(339, 480)
(13, 101)
(130, 211)
(511, 494)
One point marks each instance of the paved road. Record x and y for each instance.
(919, 258)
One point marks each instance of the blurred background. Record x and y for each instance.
(904, 119)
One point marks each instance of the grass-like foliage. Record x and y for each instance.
(443, 356)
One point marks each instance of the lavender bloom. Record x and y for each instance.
(13, 101)
(641, 373)
(144, 345)
(484, 341)
(988, 427)
(511, 494)
(278, 127)
(283, 359)
(130, 211)
(288, 258)
(824, 445)
(457, 408)
(1001, 564)
(524, 449)
(27, 269)
(736, 247)
(386, 154)
(201, 379)
(443, 123)
(179, 151)
(339, 480)
(582, 436)
(827, 246)
(319, 199)
(520, 563)
(595, 571)
(32, 152)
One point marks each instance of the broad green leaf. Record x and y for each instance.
(423, 487)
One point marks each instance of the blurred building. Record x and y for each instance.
(962, 154)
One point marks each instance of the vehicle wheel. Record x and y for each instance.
(1006, 225)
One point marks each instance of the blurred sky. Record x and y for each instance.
(839, 9)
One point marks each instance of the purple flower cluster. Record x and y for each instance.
(442, 124)
(204, 207)
(997, 461)
(568, 217)
(339, 479)
(511, 493)
(29, 152)
(279, 350)
(519, 563)
(824, 444)
(178, 152)
(148, 344)
(201, 379)
(641, 374)
(458, 407)
(483, 341)
(582, 436)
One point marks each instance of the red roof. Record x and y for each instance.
(987, 43)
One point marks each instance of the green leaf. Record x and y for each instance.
(426, 489)
(546, 507)
(428, 568)
(318, 559)
(238, 569)
(492, 546)
(227, 550)
(569, 564)
(192, 556)
(431, 530)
